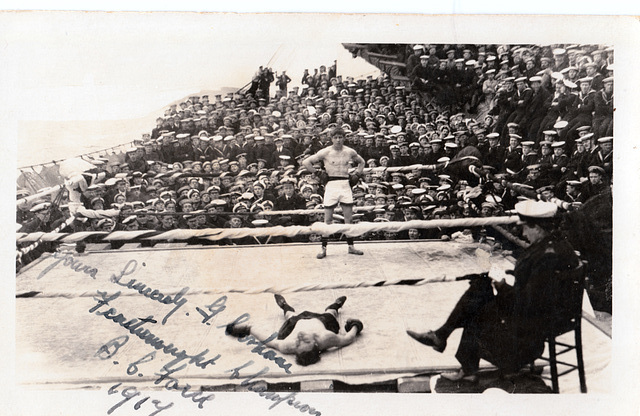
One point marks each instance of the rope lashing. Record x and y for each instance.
(433, 167)
(50, 237)
(215, 234)
(512, 238)
(338, 285)
(354, 230)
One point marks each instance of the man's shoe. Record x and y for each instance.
(353, 250)
(337, 304)
(460, 375)
(429, 338)
(282, 303)
(322, 254)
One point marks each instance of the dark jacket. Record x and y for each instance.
(513, 327)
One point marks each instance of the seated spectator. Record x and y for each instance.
(509, 329)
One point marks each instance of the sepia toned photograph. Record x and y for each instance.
(297, 214)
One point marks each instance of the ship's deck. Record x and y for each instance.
(60, 342)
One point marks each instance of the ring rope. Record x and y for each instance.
(512, 238)
(215, 234)
(21, 252)
(264, 289)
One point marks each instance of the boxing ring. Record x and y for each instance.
(66, 338)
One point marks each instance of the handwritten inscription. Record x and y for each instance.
(179, 300)
(253, 386)
(172, 384)
(139, 327)
(69, 261)
(269, 354)
(129, 393)
(132, 368)
(110, 349)
(135, 327)
(214, 308)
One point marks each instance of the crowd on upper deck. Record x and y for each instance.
(540, 116)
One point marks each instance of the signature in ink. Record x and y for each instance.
(69, 261)
(253, 386)
(269, 354)
(129, 393)
(135, 327)
(110, 349)
(172, 384)
(179, 300)
(215, 308)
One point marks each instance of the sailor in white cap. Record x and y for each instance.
(559, 162)
(529, 155)
(488, 320)
(495, 152)
(505, 103)
(521, 101)
(596, 78)
(580, 113)
(513, 154)
(422, 74)
(597, 184)
(573, 192)
(604, 157)
(106, 224)
(41, 218)
(559, 99)
(282, 81)
(290, 199)
(537, 109)
(578, 159)
(280, 150)
(560, 59)
(603, 109)
(414, 60)
(489, 86)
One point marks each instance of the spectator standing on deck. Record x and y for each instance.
(282, 82)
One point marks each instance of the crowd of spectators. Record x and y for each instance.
(531, 86)
(540, 116)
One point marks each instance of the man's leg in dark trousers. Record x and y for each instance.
(468, 354)
(479, 294)
(465, 315)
